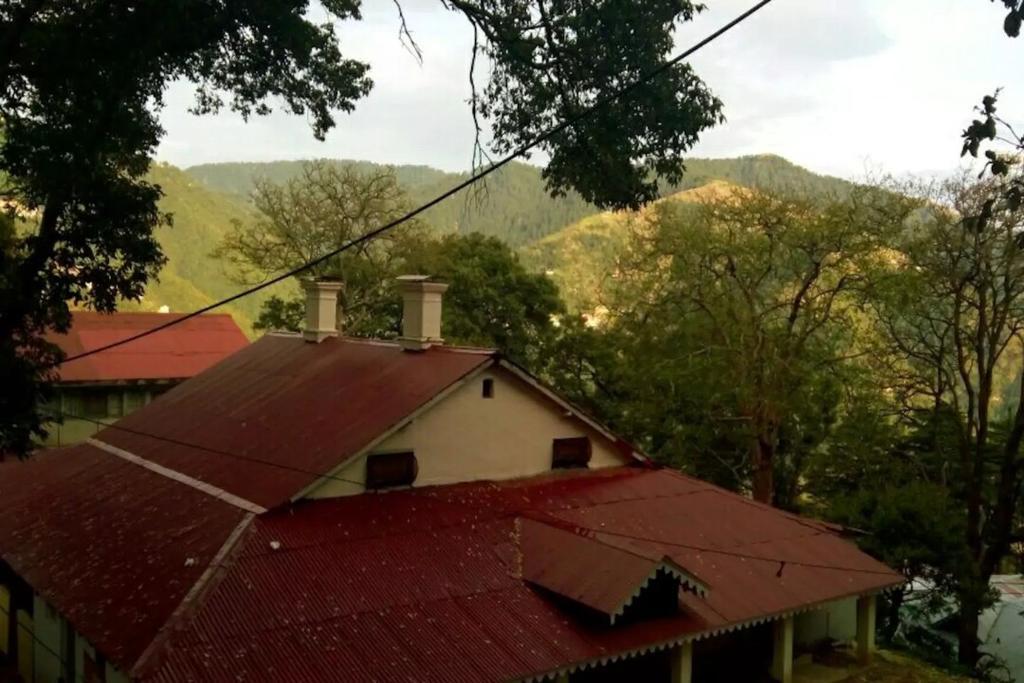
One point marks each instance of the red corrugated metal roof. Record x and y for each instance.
(181, 351)
(604, 574)
(425, 585)
(420, 585)
(308, 407)
(113, 546)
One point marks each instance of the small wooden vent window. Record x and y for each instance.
(487, 390)
(572, 452)
(385, 470)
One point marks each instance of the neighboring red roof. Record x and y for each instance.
(178, 352)
(306, 407)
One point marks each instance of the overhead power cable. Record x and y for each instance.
(205, 449)
(476, 177)
(291, 468)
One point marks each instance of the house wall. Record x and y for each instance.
(48, 650)
(835, 621)
(43, 645)
(82, 650)
(103, 403)
(466, 437)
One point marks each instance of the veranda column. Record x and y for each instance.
(682, 663)
(782, 653)
(866, 606)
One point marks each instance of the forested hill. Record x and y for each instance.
(514, 205)
(192, 277)
(204, 201)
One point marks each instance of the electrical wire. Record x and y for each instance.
(697, 548)
(205, 449)
(476, 177)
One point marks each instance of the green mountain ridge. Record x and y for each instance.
(565, 235)
(192, 277)
(512, 203)
(581, 255)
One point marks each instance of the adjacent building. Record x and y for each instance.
(319, 508)
(106, 386)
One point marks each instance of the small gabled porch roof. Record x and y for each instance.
(604, 574)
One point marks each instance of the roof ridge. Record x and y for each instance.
(180, 477)
(203, 585)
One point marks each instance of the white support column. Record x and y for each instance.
(682, 663)
(782, 651)
(866, 609)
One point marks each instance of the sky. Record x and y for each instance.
(853, 88)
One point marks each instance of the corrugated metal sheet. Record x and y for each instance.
(113, 546)
(425, 585)
(179, 352)
(603, 576)
(305, 406)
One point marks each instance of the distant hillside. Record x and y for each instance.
(192, 279)
(580, 256)
(514, 205)
(563, 235)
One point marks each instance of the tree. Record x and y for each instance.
(952, 310)
(1014, 17)
(492, 300)
(552, 58)
(323, 209)
(81, 86)
(734, 323)
(886, 474)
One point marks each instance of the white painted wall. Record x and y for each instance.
(837, 620)
(466, 437)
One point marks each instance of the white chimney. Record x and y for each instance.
(321, 309)
(421, 312)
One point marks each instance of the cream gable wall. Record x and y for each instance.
(466, 437)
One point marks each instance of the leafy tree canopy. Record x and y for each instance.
(731, 321)
(493, 300)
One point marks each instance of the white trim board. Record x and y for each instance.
(209, 489)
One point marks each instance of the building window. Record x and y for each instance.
(387, 470)
(488, 388)
(93, 403)
(571, 452)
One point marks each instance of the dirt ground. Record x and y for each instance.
(888, 667)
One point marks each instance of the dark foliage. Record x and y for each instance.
(80, 87)
(553, 58)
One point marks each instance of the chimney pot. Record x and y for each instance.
(421, 312)
(321, 309)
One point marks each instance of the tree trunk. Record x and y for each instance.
(762, 458)
(967, 634)
(889, 607)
